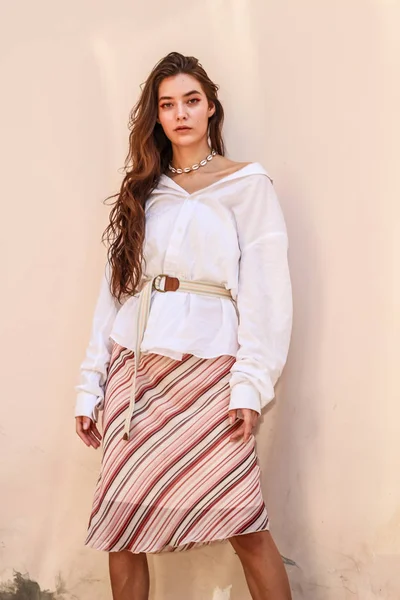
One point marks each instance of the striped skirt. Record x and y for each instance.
(178, 482)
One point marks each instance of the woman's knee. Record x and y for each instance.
(250, 542)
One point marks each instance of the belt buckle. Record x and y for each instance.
(157, 281)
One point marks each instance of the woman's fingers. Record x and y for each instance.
(246, 427)
(90, 426)
(93, 432)
(244, 430)
(83, 435)
(238, 433)
(93, 439)
(232, 415)
(96, 431)
(88, 432)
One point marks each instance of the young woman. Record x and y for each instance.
(190, 334)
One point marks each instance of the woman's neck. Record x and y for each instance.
(186, 157)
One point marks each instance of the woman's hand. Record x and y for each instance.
(248, 423)
(87, 431)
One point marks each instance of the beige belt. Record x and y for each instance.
(169, 284)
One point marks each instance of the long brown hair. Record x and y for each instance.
(149, 153)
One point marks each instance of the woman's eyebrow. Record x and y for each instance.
(184, 95)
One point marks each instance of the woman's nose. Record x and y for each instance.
(181, 111)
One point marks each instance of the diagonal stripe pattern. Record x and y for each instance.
(178, 482)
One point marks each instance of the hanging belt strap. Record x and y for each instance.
(163, 283)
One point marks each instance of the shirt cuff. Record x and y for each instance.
(245, 395)
(88, 405)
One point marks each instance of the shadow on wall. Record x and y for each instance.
(23, 588)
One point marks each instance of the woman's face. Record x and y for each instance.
(182, 102)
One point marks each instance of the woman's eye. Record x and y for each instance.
(167, 104)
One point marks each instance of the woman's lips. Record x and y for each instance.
(183, 130)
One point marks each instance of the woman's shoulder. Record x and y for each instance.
(226, 164)
(244, 168)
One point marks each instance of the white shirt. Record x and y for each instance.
(233, 233)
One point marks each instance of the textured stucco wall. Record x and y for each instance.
(311, 90)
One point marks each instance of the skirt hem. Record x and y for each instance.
(193, 544)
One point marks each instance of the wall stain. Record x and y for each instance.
(24, 588)
(287, 561)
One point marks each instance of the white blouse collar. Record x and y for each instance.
(250, 169)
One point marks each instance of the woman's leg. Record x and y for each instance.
(129, 575)
(263, 566)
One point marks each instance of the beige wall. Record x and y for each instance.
(311, 90)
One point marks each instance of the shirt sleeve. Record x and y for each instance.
(264, 298)
(93, 369)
